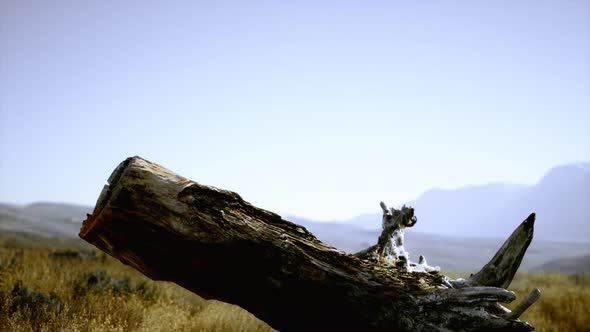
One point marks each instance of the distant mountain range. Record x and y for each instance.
(561, 200)
(48, 219)
(459, 230)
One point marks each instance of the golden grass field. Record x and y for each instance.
(41, 292)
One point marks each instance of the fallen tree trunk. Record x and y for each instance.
(219, 246)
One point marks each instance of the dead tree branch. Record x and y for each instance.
(219, 246)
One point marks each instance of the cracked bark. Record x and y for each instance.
(219, 246)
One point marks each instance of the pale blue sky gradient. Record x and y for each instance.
(318, 109)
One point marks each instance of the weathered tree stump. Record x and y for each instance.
(219, 246)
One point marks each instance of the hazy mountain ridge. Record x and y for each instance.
(43, 218)
(574, 264)
(561, 200)
(482, 218)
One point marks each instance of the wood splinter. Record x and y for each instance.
(534, 295)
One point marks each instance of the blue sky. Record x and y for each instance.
(313, 108)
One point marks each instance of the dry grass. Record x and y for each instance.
(43, 293)
(40, 293)
(564, 304)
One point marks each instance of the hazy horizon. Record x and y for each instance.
(313, 109)
(331, 219)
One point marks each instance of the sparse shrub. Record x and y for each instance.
(99, 281)
(33, 301)
(116, 299)
(145, 290)
(74, 254)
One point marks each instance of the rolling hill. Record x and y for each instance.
(48, 219)
(576, 264)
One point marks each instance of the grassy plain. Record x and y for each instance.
(41, 291)
(44, 291)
